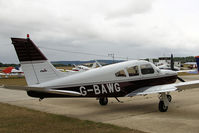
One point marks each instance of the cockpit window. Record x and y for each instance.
(146, 69)
(121, 73)
(133, 71)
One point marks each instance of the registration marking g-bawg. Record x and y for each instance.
(101, 89)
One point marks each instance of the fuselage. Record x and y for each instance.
(114, 80)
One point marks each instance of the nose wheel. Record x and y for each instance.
(162, 107)
(103, 101)
(164, 102)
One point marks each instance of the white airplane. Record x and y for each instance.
(170, 66)
(2, 74)
(125, 79)
(80, 68)
(18, 72)
(85, 68)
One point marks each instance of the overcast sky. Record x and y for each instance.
(127, 28)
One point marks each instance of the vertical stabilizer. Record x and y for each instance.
(37, 69)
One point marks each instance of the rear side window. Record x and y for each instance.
(146, 69)
(133, 71)
(121, 73)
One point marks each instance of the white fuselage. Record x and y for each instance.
(105, 74)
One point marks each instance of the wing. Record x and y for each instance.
(46, 90)
(165, 88)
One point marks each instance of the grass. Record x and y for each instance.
(13, 81)
(15, 119)
(66, 67)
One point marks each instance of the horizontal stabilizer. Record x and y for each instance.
(23, 88)
(38, 89)
(65, 92)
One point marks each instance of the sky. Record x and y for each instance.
(131, 29)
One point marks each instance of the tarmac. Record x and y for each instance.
(140, 112)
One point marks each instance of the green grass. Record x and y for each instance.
(13, 81)
(15, 119)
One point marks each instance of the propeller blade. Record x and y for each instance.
(172, 62)
(180, 79)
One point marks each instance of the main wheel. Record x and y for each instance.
(103, 101)
(162, 107)
(169, 98)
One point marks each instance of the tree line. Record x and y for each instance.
(181, 59)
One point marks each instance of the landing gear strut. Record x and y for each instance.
(41, 98)
(164, 102)
(103, 101)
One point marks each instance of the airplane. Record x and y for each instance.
(85, 68)
(80, 68)
(124, 79)
(17, 71)
(194, 71)
(2, 74)
(170, 66)
(10, 71)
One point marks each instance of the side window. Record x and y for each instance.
(133, 71)
(146, 69)
(121, 73)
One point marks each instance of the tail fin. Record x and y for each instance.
(37, 69)
(197, 62)
(95, 64)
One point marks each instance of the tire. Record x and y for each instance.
(103, 101)
(169, 98)
(162, 107)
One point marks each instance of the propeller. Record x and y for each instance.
(182, 80)
(172, 63)
(173, 69)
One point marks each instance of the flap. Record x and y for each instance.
(152, 90)
(165, 88)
